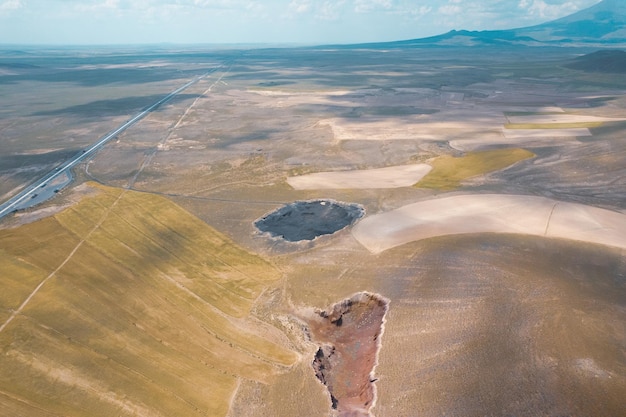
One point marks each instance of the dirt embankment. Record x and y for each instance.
(349, 338)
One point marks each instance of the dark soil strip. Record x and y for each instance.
(349, 337)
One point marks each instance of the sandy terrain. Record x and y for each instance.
(418, 127)
(491, 213)
(467, 128)
(496, 321)
(560, 118)
(389, 177)
(523, 137)
(464, 131)
(526, 134)
(281, 99)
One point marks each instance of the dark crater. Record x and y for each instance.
(306, 220)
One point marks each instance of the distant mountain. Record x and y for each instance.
(609, 61)
(604, 22)
(601, 25)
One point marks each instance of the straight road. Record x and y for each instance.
(43, 184)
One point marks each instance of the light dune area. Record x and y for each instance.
(491, 213)
(521, 137)
(468, 129)
(560, 118)
(545, 133)
(283, 99)
(284, 93)
(457, 125)
(388, 177)
(534, 109)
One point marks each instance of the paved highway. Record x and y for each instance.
(24, 197)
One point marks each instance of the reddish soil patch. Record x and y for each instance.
(349, 337)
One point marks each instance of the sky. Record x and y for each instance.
(269, 21)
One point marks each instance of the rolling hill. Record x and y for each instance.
(127, 305)
(609, 61)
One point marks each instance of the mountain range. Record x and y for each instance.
(601, 25)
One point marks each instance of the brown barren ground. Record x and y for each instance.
(482, 324)
(349, 337)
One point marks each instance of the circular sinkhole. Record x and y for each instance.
(306, 220)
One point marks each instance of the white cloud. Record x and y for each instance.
(11, 5)
(366, 6)
(266, 20)
(329, 10)
(299, 6)
(216, 4)
(501, 14)
(153, 11)
(544, 10)
(155, 5)
(326, 10)
(449, 10)
(102, 6)
(420, 11)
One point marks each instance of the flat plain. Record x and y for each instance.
(144, 289)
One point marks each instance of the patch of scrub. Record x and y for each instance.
(389, 177)
(448, 171)
(349, 337)
(306, 220)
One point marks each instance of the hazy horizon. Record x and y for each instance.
(186, 22)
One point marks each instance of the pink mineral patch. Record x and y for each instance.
(349, 339)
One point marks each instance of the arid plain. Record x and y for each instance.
(492, 247)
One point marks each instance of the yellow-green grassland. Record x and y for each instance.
(144, 311)
(449, 171)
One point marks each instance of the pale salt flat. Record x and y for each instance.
(559, 118)
(411, 128)
(284, 99)
(479, 142)
(491, 213)
(345, 98)
(389, 177)
(520, 137)
(285, 93)
(544, 133)
(531, 109)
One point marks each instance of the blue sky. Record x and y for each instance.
(256, 21)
